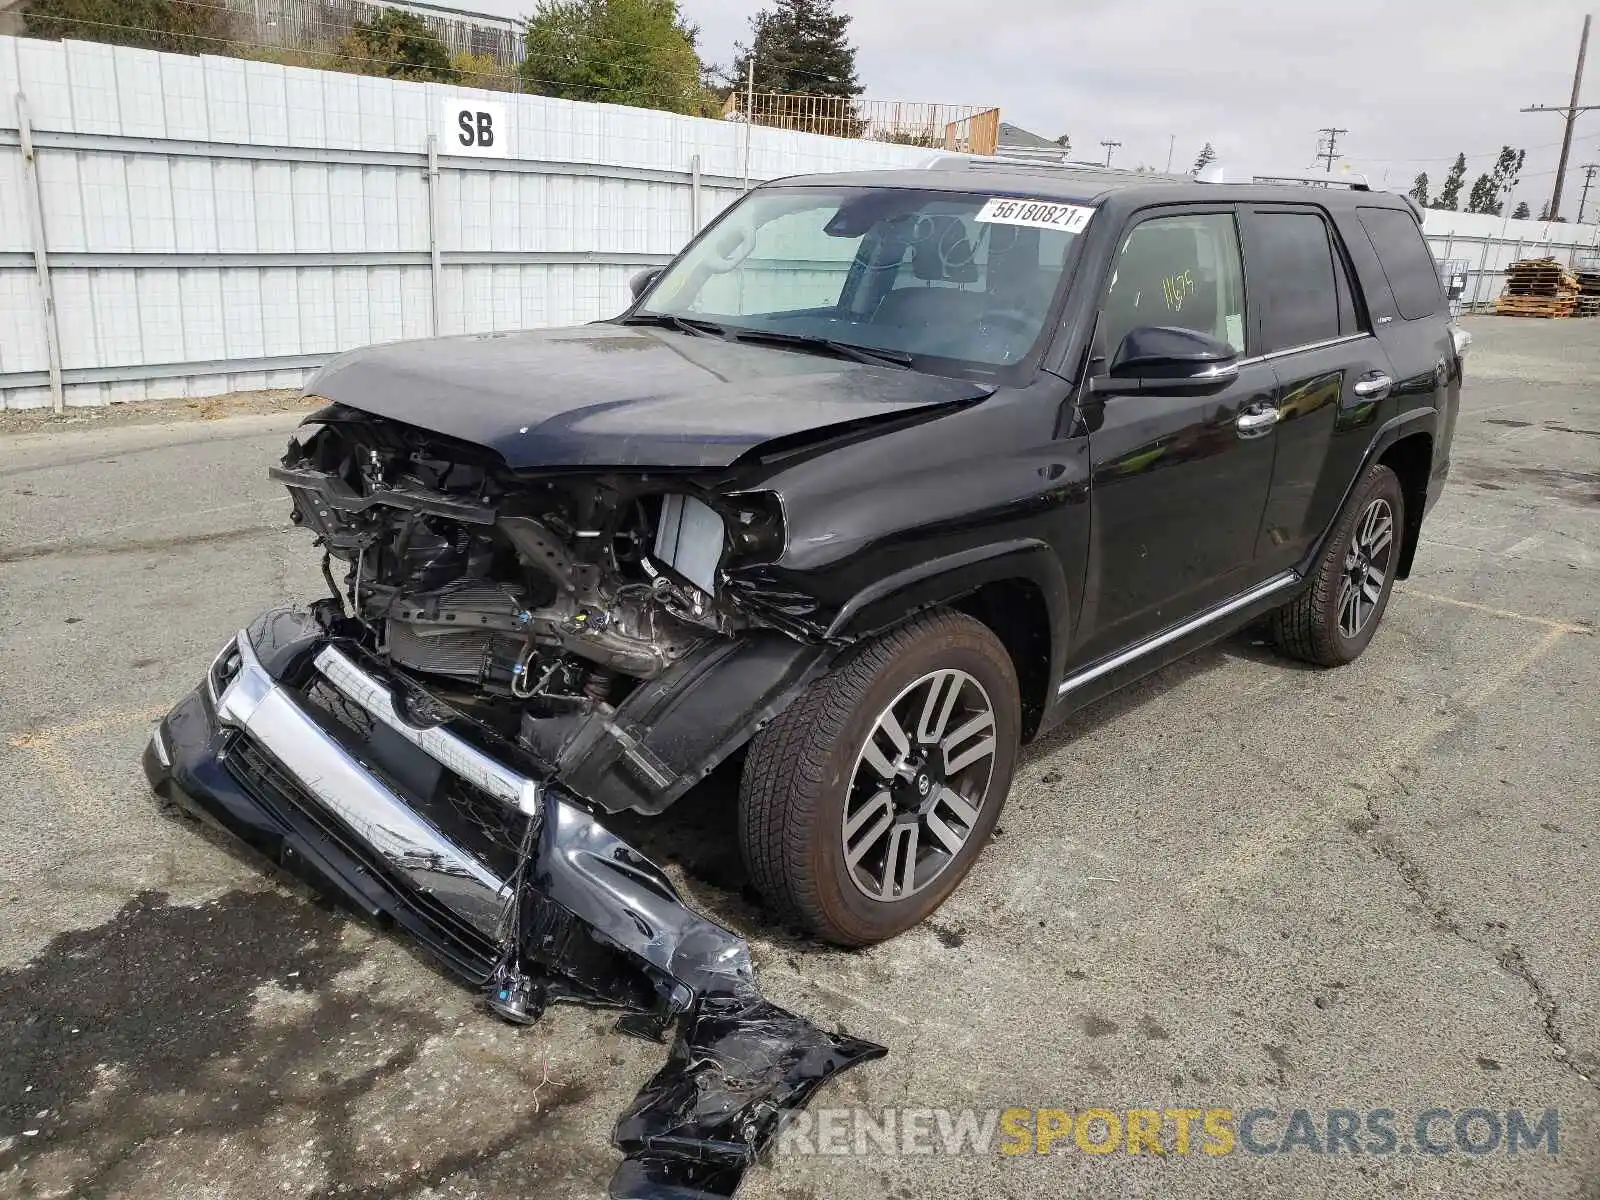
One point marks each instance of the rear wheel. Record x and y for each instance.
(1334, 619)
(865, 804)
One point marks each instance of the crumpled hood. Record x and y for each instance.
(613, 395)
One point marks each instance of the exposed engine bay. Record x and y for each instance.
(533, 601)
(578, 616)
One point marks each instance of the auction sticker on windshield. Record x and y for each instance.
(1041, 214)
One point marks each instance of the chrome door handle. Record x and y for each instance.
(1375, 388)
(1254, 424)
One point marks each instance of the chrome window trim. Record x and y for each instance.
(1309, 346)
(1166, 638)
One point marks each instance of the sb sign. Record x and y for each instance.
(475, 127)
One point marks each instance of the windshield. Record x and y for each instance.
(952, 275)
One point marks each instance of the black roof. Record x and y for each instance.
(1074, 184)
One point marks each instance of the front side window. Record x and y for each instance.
(948, 275)
(1180, 271)
(1298, 295)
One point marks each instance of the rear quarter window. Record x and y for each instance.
(1406, 260)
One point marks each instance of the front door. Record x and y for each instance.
(1178, 481)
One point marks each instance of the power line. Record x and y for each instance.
(1451, 158)
(1570, 115)
(1110, 148)
(1328, 146)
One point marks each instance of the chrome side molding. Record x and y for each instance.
(1165, 638)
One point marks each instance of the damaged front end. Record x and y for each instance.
(578, 615)
(506, 657)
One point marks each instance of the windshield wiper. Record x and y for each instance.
(693, 326)
(861, 354)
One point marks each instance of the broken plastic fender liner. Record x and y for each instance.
(738, 1066)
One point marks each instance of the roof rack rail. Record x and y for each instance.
(1356, 183)
(977, 162)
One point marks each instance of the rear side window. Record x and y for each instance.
(1407, 262)
(1292, 269)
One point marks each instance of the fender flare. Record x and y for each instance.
(1387, 434)
(950, 577)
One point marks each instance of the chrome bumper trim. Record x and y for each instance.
(159, 748)
(255, 704)
(467, 761)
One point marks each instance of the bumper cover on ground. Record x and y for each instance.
(559, 909)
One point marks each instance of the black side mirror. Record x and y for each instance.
(641, 281)
(1168, 358)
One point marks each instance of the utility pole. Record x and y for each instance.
(1328, 146)
(1110, 146)
(1588, 178)
(1172, 144)
(1570, 115)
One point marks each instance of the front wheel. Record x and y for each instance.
(1332, 621)
(867, 801)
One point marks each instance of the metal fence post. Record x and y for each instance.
(435, 266)
(41, 260)
(1477, 287)
(694, 195)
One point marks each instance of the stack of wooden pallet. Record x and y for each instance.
(1588, 294)
(1538, 287)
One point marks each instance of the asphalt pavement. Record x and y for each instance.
(1239, 885)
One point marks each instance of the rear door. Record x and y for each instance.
(1412, 322)
(1178, 479)
(1332, 373)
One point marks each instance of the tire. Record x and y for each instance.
(813, 766)
(1320, 625)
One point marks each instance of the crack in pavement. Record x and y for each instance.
(1509, 956)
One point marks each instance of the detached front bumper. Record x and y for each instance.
(296, 747)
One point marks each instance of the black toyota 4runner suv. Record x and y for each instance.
(884, 475)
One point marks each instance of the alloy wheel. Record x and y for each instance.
(918, 785)
(1366, 567)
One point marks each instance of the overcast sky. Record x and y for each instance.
(1414, 81)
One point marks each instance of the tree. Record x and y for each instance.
(800, 48)
(635, 52)
(1065, 142)
(1449, 197)
(1481, 198)
(1507, 170)
(1489, 191)
(1207, 157)
(180, 26)
(483, 71)
(1419, 189)
(1520, 213)
(399, 44)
